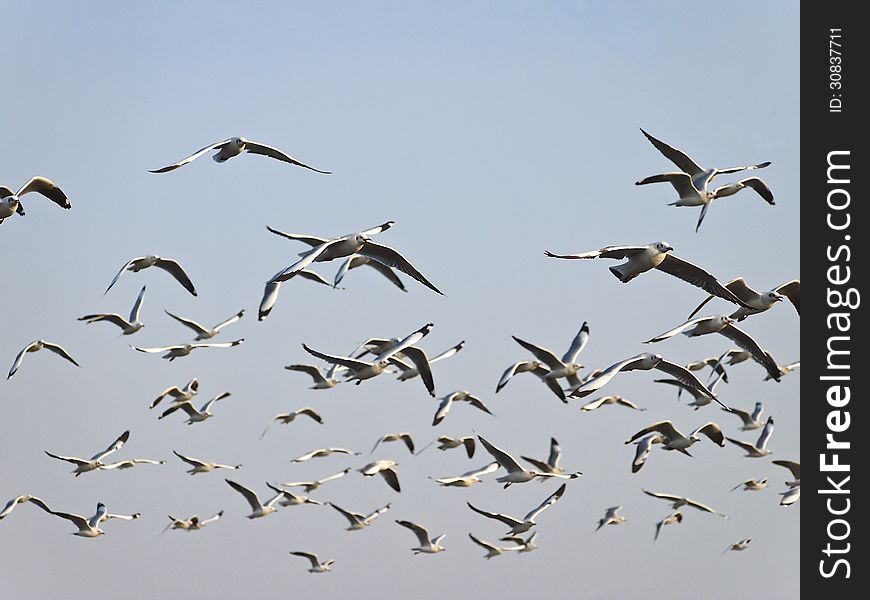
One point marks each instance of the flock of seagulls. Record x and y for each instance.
(402, 356)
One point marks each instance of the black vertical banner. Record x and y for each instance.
(834, 66)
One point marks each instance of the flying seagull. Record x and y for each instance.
(10, 506)
(681, 501)
(167, 264)
(426, 546)
(750, 420)
(310, 486)
(193, 523)
(417, 356)
(535, 367)
(394, 437)
(673, 519)
(323, 452)
(316, 565)
(259, 509)
(10, 202)
(672, 439)
(386, 470)
(551, 465)
(173, 352)
(272, 289)
(89, 528)
(233, 147)
(519, 526)
(656, 256)
(286, 418)
(326, 249)
(358, 520)
(194, 415)
(321, 381)
(96, 461)
(190, 389)
(759, 448)
(739, 546)
(200, 466)
(759, 301)
(611, 517)
(491, 549)
(467, 479)
(515, 472)
(128, 327)
(751, 485)
(205, 333)
(458, 396)
(567, 366)
(605, 400)
(35, 347)
(794, 468)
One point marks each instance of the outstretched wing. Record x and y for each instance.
(264, 150)
(191, 158)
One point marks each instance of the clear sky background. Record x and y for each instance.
(489, 132)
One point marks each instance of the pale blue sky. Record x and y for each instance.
(489, 132)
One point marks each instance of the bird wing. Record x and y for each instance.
(404, 343)
(712, 431)
(542, 354)
(759, 186)
(312, 276)
(539, 464)
(490, 468)
(250, 496)
(744, 416)
(765, 434)
(698, 277)
(174, 268)
(678, 157)
(229, 321)
(191, 158)
(57, 349)
(555, 453)
(443, 409)
(392, 478)
(686, 377)
(609, 373)
(391, 258)
(383, 270)
(678, 329)
(270, 297)
(77, 520)
(577, 344)
(71, 459)
(682, 182)
(703, 507)
(469, 444)
(47, 188)
(312, 370)
(793, 467)
(137, 307)
(113, 318)
(792, 291)
(485, 545)
(509, 373)
(595, 403)
(550, 501)
(750, 448)
(615, 252)
(186, 406)
(189, 323)
(191, 461)
(507, 520)
(477, 403)
(263, 150)
(746, 342)
(421, 532)
(127, 264)
(219, 344)
(212, 518)
(448, 353)
(311, 557)
(352, 517)
(116, 445)
(309, 412)
(311, 240)
(504, 459)
(418, 357)
(351, 363)
(375, 514)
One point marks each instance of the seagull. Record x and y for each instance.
(673, 519)
(385, 468)
(519, 526)
(672, 439)
(204, 333)
(357, 260)
(790, 496)
(323, 249)
(10, 202)
(357, 520)
(127, 327)
(531, 366)
(785, 369)
(96, 461)
(258, 508)
(286, 418)
(321, 382)
(741, 545)
(491, 549)
(751, 485)
(605, 400)
(724, 326)
(715, 364)
(522, 545)
(750, 421)
(758, 449)
(323, 452)
(426, 546)
(700, 399)
(692, 195)
(610, 517)
(551, 465)
(89, 528)
(35, 347)
(316, 565)
(310, 486)
(759, 301)
(234, 146)
(167, 264)
(192, 523)
(200, 466)
(361, 369)
(10, 506)
(681, 501)
(190, 389)
(467, 479)
(393, 437)
(794, 468)
(173, 352)
(131, 462)
(416, 355)
(567, 366)
(291, 499)
(515, 472)
(195, 416)
(700, 175)
(270, 293)
(447, 443)
(458, 396)
(655, 256)
(644, 362)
